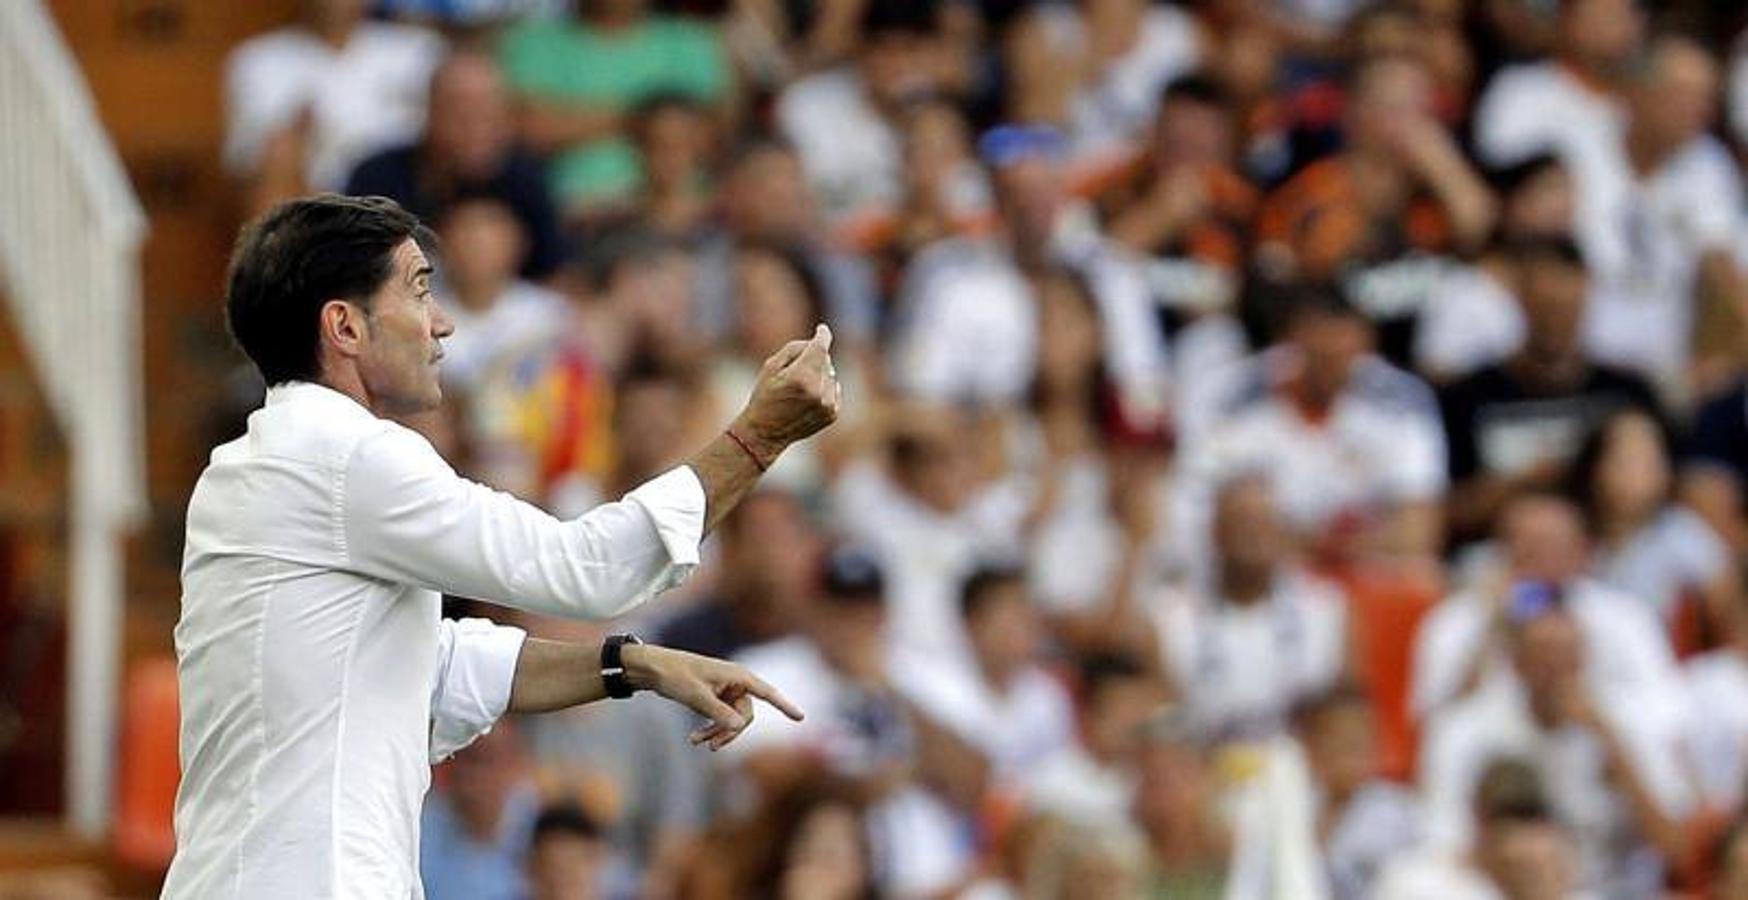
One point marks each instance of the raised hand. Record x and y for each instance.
(797, 395)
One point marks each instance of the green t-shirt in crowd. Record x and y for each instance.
(566, 60)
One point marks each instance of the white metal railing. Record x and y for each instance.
(70, 232)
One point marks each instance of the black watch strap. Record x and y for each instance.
(613, 665)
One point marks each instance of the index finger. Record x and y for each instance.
(760, 689)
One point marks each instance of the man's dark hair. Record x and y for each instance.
(1196, 87)
(564, 819)
(898, 17)
(1100, 670)
(1508, 178)
(294, 259)
(979, 589)
(1510, 790)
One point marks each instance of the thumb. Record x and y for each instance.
(822, 337)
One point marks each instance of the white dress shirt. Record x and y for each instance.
(318, 683)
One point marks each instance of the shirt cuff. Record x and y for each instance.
(675, 504)
(475, 683)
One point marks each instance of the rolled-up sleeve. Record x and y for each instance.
(404, 515)
(476, 670)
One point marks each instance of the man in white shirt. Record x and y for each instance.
(1261, 635)
(318, 682)
(334, 88)
(1521, 850)
(1000, 700)
(1354, 447)
(1611, 769)
(1659, 216)
(1459, 649)
(1559, 105)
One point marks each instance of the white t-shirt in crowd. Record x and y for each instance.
(1540, 108)
(1109, 115)
(1676, 554)
(522, 317)
(1471, 321)
(1717, 732)
(925, 554)
(853, 157)
(1077, 788)
(1017, 726)
(920, 845)
(363, 97)
(1613, 856)
(1381, 445)
(1240, 668)
(1643, 238)
(966, 325)
(1627, 649)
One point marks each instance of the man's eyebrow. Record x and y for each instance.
(421, 272)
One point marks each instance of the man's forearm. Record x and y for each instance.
(729, 471)
(553, 675)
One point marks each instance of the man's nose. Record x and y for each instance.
(441, 325)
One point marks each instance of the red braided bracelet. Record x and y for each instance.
(749, 451)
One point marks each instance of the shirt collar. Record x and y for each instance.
(310, 393)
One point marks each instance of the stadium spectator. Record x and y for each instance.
(767, 557)
(1003, 703)
(307, 102)
(566, 857)
(844, 121)
(1178, 801)
(1460, 649)
(1660, 245)
(496, 314)
(1521, 850)
(1472, 319)
(1261, 635)
(1717, 729)
(1364, 821)
(1188, 211)
(765, 199)
(1095, 70)
(675, 139)
(930, 520)
(1568, 103)
(1518, 424)
(1091, 784)
(476, 829)
(966, 317)
(1400, 186)
(1353, 446)
(468, 149)
(1646, 545)
(577, 80)
(1612, 772)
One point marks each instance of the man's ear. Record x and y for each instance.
(342, 328)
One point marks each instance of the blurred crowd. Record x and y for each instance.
(1292, 449)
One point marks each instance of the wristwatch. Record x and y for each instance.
(613, 665)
